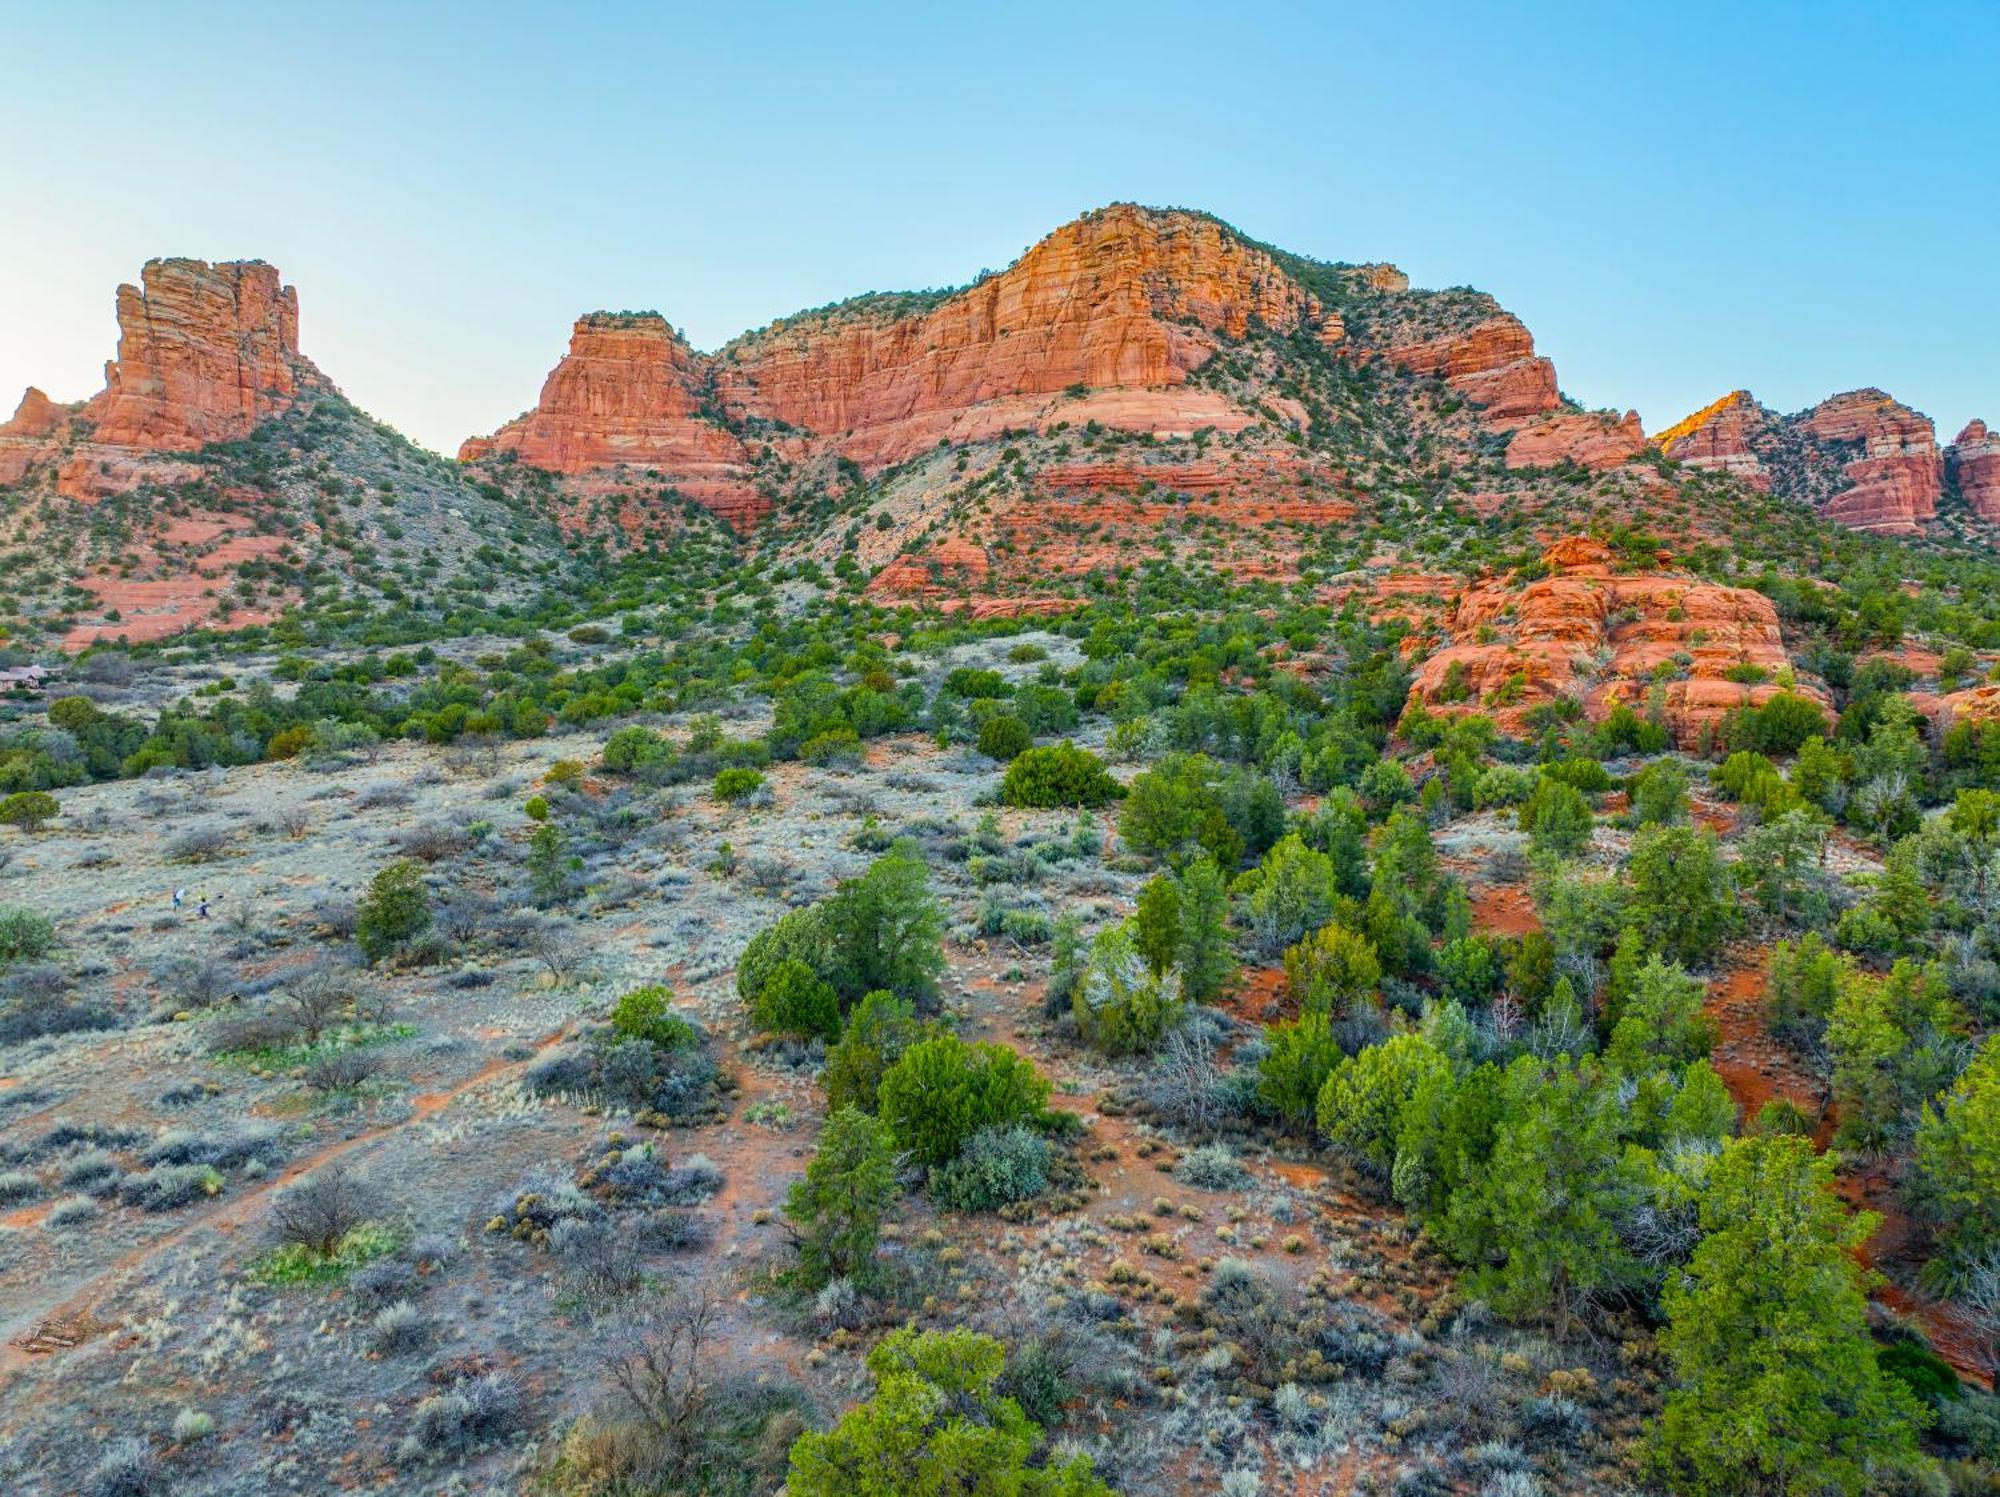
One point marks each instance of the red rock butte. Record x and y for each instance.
(630, 394)
(205, 353)
(1861, 458)
(1973, 463)
(1494, 363)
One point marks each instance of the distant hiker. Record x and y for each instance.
(201, 910)
(179, 895)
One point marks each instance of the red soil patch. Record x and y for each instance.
(1752, 1064)
(1504, 909)
(1718, 819)
(1260, 996)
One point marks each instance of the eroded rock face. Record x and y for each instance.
(1723, 437)
(1974, 704)
(1899, 472)
(631, 394)
(1973, 462)
(24, 438)
(1591, 439)
(1101, 321)
(1861, 458)
(1595, 635)
(1494, 363)
(1124, 299)
(205, 353)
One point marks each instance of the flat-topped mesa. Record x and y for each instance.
(1126, 299)
(205, 353)
(1861, 458)
(1973, 462)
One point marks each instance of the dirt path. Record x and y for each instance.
(75, 1320)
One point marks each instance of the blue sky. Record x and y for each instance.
(1677, 200)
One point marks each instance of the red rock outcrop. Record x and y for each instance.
(1861, 458)
(1595, 635)
(1974, 704)
(630, 394)
(1101, 321)
(25, 438)
(1898, 476)
(1718, 437)
(1592, 439)
(954, 565)
(1974, 464)
(1494, 363)
(1126, 298)
(205, 353)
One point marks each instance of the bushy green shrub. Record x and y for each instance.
(1122, 1005)
(635, 749)
(735, 783)
(1294, 1069)
(25, 934)
(1958, 1161)
(840, 745)
(879, 1030)
(1361, 1105)
(29, 810)
(795, 1000)
(1058, 774)
(1557, 817)
(1780, 725)
(936, 1423)
(396, 908)
(997, 1167)
(1175, 810)
(942, 1091)
(647, 1014)
(837, 1208)
(1003, 737)
(1331, 969)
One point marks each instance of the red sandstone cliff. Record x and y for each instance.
(1719, 437)
(25, 439)
(1899, 473)
(1124, 299)
(630, 394)
(1103, 321)
(1494, 363)
(205, 353)
(1974, 463)
(1589, 438)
